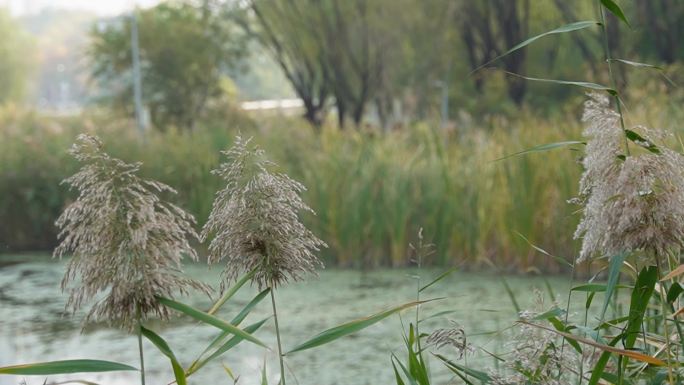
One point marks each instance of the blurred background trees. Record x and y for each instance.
(377, 62)
(186, 50)
(17, 57)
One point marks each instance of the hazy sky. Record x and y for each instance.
(100, 7)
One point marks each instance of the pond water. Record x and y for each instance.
(33, 326)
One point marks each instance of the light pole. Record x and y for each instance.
(137, 82)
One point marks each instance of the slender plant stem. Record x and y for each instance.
(663, 307)
(606, 50)
(280, 348)
(140, 349)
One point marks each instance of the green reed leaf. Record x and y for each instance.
(406, 371)
(65, 367)
(636, 64)
(555, 312)
(336, 332)
(454, 367)
(641, 141)
(593, 86)
(231, 343)
(439, 278)
(546, 147)
(613, 277)
(643, 290)
(562, 29)
(615, 9)
(163, 347)
(596, 287)
(543, 148)
(231, 291)
(673, 293)
(220, 339)
(209, 319)
(397, 376)
(511, 295)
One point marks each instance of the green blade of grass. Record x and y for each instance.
(615, 9)
(165, 349)
(65, 367)
(406, 371)
(643, 290)
(549, 146)
(231, 343)
(336, 332)
(235, 321)
(209, 319)
(562, 29)
(397, 376)
(613, 278)
(454, 367)
(596, 287)
(593, 86)
(231, 292)
(636, 64)
(511, 296)
(439, 278)
(606, 348)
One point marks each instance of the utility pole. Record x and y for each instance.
(137, 83)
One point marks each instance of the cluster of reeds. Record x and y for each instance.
(127, 244)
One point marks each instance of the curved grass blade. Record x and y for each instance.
(221, 337)
(606, 348)
(511, 295)
(163, 347)
(439, 314)
(562, 29)
(660, 70)
(454, 367)
(554, 312)
(643, 290)
(396, 373)
(542, 148)
(636, 64)
(231, 292)
(336, 332)
(209, 319)
(231, 343)
(600, 365)
(596, 287)
(615, 9)
(679, 270)
(593, 86)
(403, 369)
(65, 367)
(613, 278)
(439, 278)
(673, 293)
(558, 259)
(641, 141)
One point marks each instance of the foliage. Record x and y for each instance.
(16, 59)
(185, 53)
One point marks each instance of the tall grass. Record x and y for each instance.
(370, 191)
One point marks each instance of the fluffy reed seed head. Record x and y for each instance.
(454, 337)
(255, 223)
(630, 202)
(537, 355)
(124, 241)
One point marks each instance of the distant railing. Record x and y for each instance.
(274, 104)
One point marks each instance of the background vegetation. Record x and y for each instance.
(378, 155)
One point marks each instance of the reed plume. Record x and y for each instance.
(631, 202)
(255, 222)
(124, 241)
